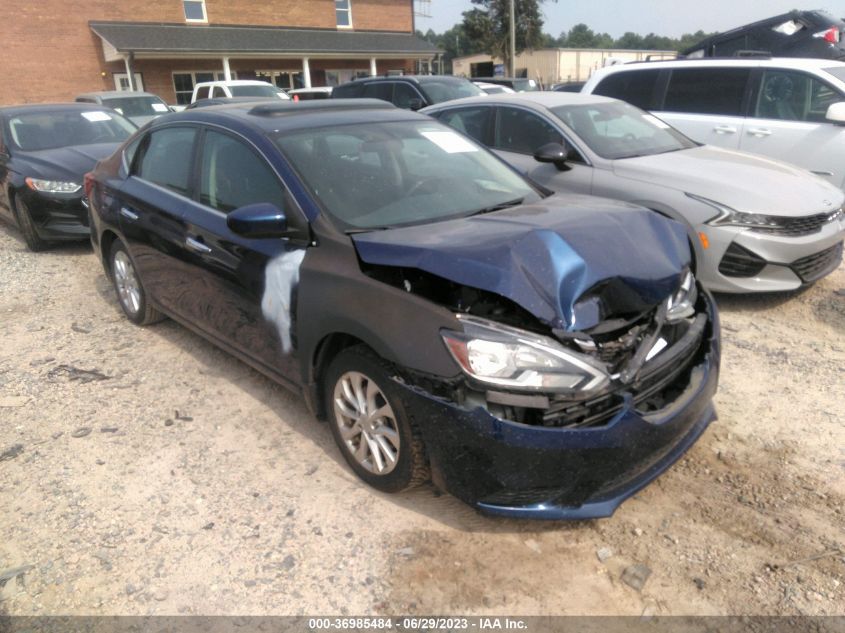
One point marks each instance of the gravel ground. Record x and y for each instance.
(142, 471)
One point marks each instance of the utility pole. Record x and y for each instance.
(512, 69)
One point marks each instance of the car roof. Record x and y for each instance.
(235, 82)
(536, 100)
(53, 107)
(417, 78)
(312, 89)
(107, 94)
(268, 116)
(798, 63)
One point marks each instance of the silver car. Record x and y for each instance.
(755, 224)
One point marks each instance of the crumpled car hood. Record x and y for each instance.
(571, 261)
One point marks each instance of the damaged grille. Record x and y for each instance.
(659, 383)
(816, 266)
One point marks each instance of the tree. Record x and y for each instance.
(488, 23)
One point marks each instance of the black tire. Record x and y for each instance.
(140, 312)
(411, 467)
(27, 227)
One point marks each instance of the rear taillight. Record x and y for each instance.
(88, 184)
(829, 35)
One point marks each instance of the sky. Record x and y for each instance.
(671, 18)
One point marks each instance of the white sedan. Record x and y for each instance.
(755, 224)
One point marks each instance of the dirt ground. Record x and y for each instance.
(171, 478)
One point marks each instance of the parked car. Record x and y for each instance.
(45, 151)
(138, 107)
(408, 91)
(789, 109)
(236, 88)
(493, 89)
(540, 355)
(795, 34)
(517, 84)
(755, 224)
(204, 103)
(310, 94)
(569, 86)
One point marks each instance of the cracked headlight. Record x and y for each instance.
(732, 217)
(52, 186)
(508, 357)
(682, 304)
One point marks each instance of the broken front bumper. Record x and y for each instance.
(519, 470)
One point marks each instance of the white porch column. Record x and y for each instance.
(227, 72)
(373, 68)
(306, 73)
(129, 75)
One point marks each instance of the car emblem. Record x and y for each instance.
(827, 203)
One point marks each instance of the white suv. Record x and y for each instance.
(789, 109)
(236, 88)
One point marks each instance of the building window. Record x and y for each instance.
(343, 11)
(184, 82)
(195, 11)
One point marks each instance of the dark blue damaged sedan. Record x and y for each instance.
(535, 355)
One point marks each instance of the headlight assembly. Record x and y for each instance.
(732, 217)
(682, 304)
(52, 186)
(508, 357)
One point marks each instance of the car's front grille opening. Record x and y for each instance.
(794, 227)
(740, 262)
(819, 264)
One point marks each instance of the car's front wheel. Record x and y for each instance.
(27, 226)
(130, 291)
(377, 437)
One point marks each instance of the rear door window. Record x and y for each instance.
(636, 87)
(474, 122)
(378, 90)
(707, 91)
(166, 158)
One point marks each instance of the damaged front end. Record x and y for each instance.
(579, 383)
(547, 423)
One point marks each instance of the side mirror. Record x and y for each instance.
(258, 220)
(836, 112)
(415, 104)
(552, 153)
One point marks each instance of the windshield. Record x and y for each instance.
(137, 106)
(618, 130)
(439, 91)
(377, 175)
(254, 91)
(35, 131)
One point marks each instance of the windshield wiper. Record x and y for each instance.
(497, 207)
(367, 230)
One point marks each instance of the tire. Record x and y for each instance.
(130, 291)
(359, 367)
(27, 227)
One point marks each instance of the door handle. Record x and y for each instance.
(760, 132)
(128, 214)
(196, 245)
(724, 129)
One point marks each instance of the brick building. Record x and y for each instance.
(54, 50)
